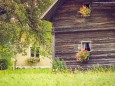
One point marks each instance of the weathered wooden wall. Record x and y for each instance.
(71, 28)
(102, 50)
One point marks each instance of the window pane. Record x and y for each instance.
(86, 46)
(32, 52)
(37, 52)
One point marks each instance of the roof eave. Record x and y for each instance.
(52, 9)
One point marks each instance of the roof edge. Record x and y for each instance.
(51, 10)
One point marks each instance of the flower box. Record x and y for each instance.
(83, 56)
(85, 11)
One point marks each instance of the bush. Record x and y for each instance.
(3, 64)
(32, 61)
(58, 65)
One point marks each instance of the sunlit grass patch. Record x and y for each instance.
(45, 77)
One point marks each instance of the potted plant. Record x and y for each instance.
(32, 61)
(85, 11)
(83, 56)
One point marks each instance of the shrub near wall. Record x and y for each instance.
(5, 57)
(3, 64)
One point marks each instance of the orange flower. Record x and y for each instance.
(82, 55)
(85, 11)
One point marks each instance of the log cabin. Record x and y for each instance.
(72, 31)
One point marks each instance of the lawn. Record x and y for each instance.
(45, 77)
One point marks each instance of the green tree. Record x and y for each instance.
(20, 25)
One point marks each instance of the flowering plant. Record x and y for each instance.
(85, 11)
(83, 56)
(32, 61)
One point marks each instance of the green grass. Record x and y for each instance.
(45, 77)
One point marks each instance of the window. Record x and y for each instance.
(87, 5)
(34, 51)
(86, 45)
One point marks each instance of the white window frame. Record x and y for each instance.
(90, 44)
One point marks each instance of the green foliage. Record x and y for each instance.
(3, 64)
(20, 19)
(6, 54)
(32, 61)
(103, 68)
(58, 65)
